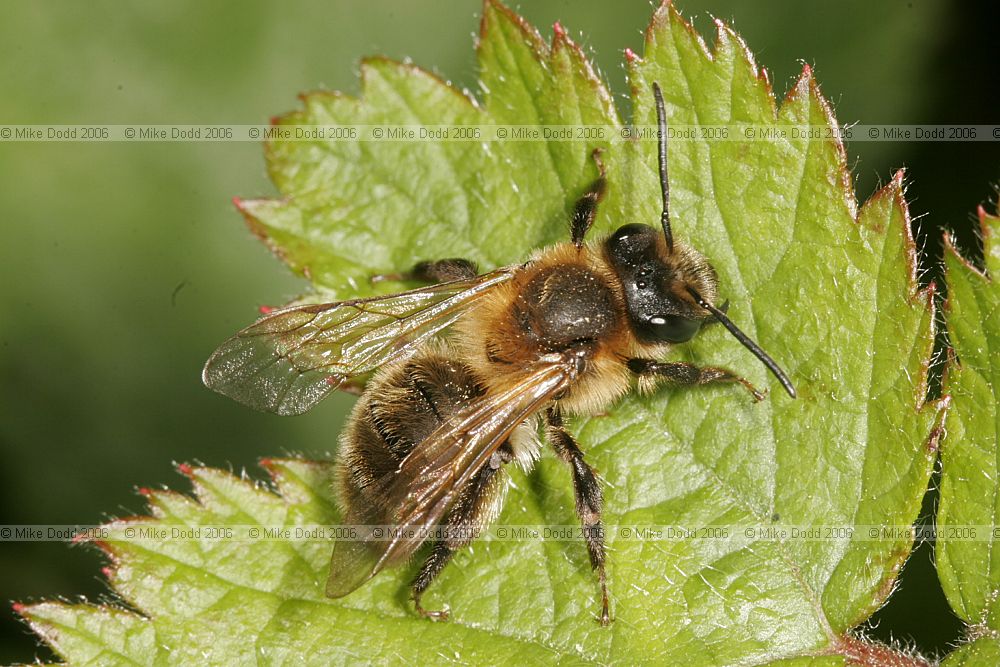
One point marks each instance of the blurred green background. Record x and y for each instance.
(123, 265)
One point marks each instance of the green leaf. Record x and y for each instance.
(969, 565)
(829, 290)
(352, 209)
(983, 652)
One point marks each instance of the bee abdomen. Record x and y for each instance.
(401, 407)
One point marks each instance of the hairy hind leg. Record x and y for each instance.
(429, 571)
(479, 500)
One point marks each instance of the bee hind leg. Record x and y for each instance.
(589, 500)
(434, 271)
(480, 499)
(440, 555)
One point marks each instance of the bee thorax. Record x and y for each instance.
(565, 306)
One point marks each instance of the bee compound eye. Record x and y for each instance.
(672, 328)
(631, 241)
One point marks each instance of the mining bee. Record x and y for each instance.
(428, 442)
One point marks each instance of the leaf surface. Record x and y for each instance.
(969, 564)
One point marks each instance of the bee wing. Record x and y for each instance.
(431, 478)
(292, 358)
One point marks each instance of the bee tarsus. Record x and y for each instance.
(589, 498)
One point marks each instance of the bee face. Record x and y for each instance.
(656, 281)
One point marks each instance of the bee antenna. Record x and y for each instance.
(661, 125)
(747, 343)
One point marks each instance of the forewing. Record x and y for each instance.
(292, 358)
(431, 477)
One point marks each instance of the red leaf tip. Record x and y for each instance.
(265, 310)
(266, 462)
(18, 608)
(238, 203)
(185, 469)
(107, 572)
(558, 29)
(630, 55)
(145, 491)
(275, 120)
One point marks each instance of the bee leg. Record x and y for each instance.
(434, 271)
(445, 270)
(431, 568)
(682, 373)
(474, 504)
(353, 387)
(585, 209)
(589, 500)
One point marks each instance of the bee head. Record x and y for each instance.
(657, 281)
(670, 289)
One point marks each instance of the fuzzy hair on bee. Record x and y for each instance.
(403, 405)
(424, 454)
(567, 294)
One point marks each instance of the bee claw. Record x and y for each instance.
(758, 395)
(434, 614)
(355, 389)
(382, 277)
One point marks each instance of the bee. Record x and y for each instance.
(428, 442)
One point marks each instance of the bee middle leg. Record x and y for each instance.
(682, 373)
(476, 502)
(589, 500)
(435, 271)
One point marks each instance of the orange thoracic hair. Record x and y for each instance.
(569, 288)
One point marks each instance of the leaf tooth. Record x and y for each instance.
(300, 481)
(496, 16)
(892, 197)
(798, 94)
(990, 251)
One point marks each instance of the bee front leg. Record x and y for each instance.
(434, 271)
(682, 373)
(589, 500)
(585, 209)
